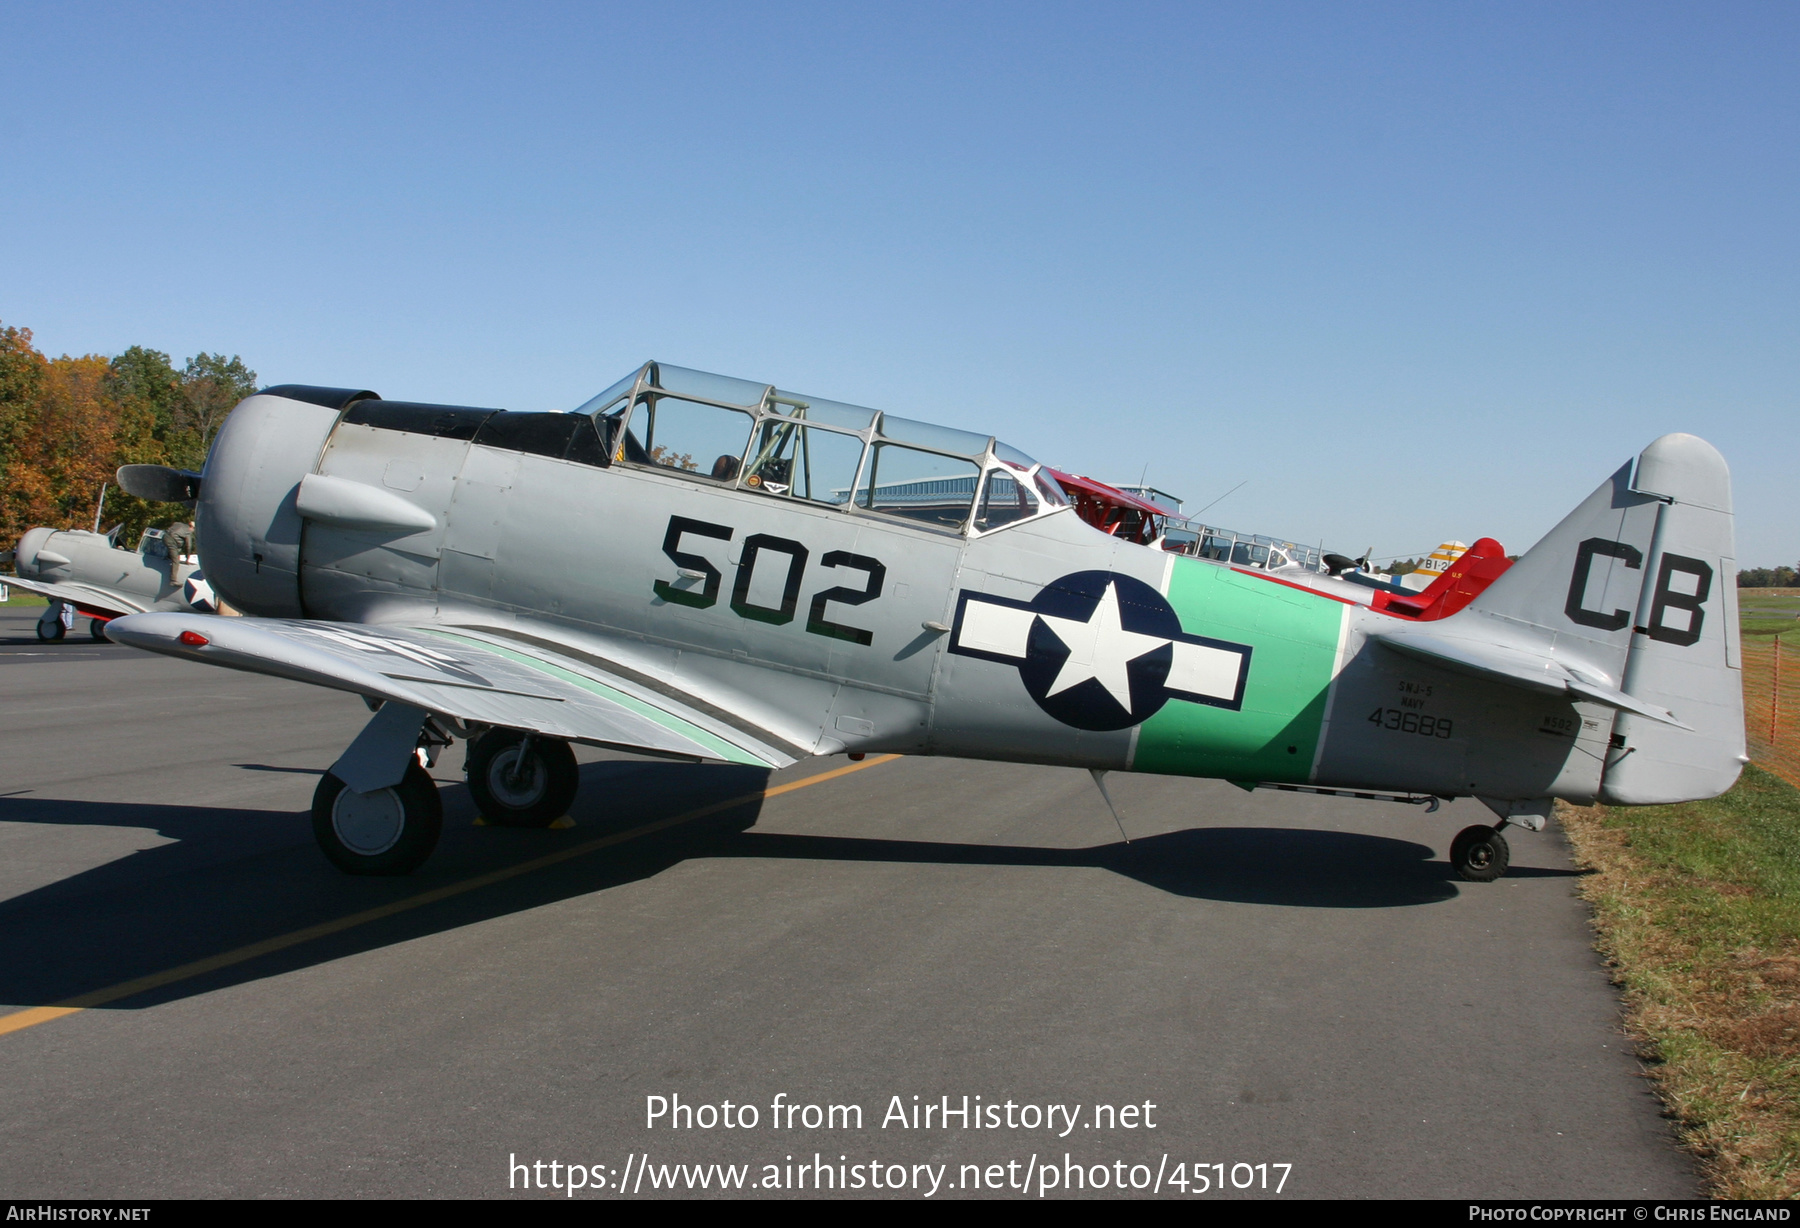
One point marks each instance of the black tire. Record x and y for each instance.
(1480, 854)
(389, 831)
(535, 793)
(50, 632)
(97, 629)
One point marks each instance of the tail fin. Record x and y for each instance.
(1434, 567)
(1463, 579)
(1641, 581)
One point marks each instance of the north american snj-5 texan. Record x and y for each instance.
(87, 571)
(712, 569)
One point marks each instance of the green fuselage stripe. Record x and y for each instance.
(668, 720)
(1293, 636)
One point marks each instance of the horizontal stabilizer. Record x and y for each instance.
(1520, 666)
(455, 673)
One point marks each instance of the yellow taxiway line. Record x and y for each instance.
(32, 1016)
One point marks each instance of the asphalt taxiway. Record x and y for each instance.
(200, 1005)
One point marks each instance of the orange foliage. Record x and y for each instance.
(67, 448)
(67, 424)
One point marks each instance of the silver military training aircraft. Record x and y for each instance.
(712, 569)
(91, 573)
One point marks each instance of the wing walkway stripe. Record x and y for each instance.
(668, 720)
(35, 1015)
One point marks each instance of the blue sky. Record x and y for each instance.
(1406, 271)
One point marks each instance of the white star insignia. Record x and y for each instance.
(1100, 648)
(1201, 670)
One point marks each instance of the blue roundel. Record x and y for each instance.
(199, 594)
(1100, 650)
(1089, 703)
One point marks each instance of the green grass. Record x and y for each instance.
(1768, 611)
(19, 597)
(1697, 908)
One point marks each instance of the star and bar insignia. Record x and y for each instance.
(1099, 650)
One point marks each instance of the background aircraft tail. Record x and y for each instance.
(1640, 582)
(1434, 566)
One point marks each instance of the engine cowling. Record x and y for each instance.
(248, 526)
(27, 559)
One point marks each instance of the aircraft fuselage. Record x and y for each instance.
(833, 628)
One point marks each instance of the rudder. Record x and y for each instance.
(1685, 652)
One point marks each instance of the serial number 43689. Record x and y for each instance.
(1411, 722)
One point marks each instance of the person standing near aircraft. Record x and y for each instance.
(179, 547)
(178, 540)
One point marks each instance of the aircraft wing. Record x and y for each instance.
(456, 673)
(1521, 665)
(84, 597)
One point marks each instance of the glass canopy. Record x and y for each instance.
(758, 437)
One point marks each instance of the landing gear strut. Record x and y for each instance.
(1480, 854)
(387, 831)
(519, 779)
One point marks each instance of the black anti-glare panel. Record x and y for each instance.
(561, 436)
(586, 447)
(537, 434)
(443, 421)
(330, 398)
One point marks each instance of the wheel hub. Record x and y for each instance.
(514, 784)
(368, 823)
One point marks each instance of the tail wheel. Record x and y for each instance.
(1480, 854)
(516, 784)
(50, 631)
(97, 629)
(388, 831)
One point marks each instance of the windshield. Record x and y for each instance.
(612, 397)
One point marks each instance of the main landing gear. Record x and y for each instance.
(377, 811)
(1480, 854)
(521, 779)
(383, 831)
(55, 622)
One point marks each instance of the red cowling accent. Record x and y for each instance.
(1480, 566)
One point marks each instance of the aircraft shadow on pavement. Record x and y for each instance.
(231, 877)
(1298, 868)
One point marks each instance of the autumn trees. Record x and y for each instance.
(66, 424)
(1769, 577)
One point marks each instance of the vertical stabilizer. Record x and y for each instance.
(1578, 588)
(1635, 590)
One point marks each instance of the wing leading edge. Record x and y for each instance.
(457, 673)
(84, 597)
